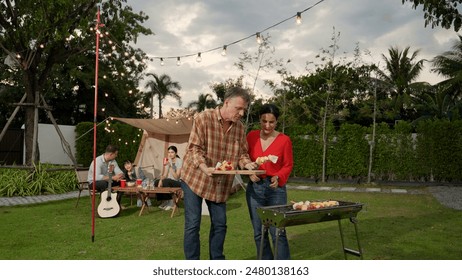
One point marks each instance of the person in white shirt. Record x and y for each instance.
(103, 163)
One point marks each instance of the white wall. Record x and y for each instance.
(51, 149)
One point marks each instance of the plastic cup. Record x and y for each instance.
(138, 182)
(123, 183)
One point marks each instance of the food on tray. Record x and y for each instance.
(224, 166)
(261, 160)
(310, 205)
(130, 184)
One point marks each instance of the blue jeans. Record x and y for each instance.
(192, 223)
(260, 194)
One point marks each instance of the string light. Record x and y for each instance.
(162, 62)
(259, 41)
(178, 62)
(298, 18)
(199, 58)
(113, 45)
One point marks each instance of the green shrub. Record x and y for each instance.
(40, 179)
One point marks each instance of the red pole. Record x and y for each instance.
(95, 110)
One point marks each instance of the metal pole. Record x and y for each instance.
(95, 113)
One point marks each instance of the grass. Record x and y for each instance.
(391, 227)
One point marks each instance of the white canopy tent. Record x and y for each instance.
(158, 135)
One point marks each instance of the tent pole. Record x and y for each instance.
(95, 114)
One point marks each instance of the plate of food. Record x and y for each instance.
(226, 168)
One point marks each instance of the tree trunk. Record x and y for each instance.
(31, 119)
(324, 140)
(372, 142)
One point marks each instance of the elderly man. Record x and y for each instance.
(216, 135)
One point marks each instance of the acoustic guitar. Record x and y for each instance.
(109, 207)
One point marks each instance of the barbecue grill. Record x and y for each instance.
(282, 216)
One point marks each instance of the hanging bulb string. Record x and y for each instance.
(242, 39)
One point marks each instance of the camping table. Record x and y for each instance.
(127, 190)
(176, 193)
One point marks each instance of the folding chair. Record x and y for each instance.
(82, 182)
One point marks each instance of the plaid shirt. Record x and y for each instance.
(209, 144)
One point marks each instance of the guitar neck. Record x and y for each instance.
(110, 173)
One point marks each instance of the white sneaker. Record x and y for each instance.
(163, 204)
(169, 205)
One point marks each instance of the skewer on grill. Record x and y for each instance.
(307, 205)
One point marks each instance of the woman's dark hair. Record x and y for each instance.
(127, 161)
(270, 109)
(174, 149)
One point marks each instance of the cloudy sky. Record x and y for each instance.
(184, 28)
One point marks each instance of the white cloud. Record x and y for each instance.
(187, 27)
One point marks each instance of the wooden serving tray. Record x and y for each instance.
(235, 172)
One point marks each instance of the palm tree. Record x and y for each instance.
(205, 101)
(402, 71)
(449, 65)
(436, 104)
(162, 86)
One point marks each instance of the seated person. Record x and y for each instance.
(131, 173)
(170, 177)
(103, 162)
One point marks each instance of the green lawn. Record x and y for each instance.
(391, 227)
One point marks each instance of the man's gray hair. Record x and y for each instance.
(238, 92)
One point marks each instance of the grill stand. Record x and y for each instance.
(353, 220)
(346, 251)
(280, 225)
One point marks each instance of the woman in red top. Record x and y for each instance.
(269, 189)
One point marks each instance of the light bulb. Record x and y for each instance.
(178, 61)
(298, 18)
(162, 62)
(258, 37)
(198, 58)
(223, 52)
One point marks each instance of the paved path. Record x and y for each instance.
(450, 196)
(22, 200)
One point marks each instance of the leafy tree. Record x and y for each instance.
(47, 47)
(401, 70)
(252, 64)
(449, 65)
(162, 86)
(205, 101)
(436, 103)
(440, 13)
(220, 88)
